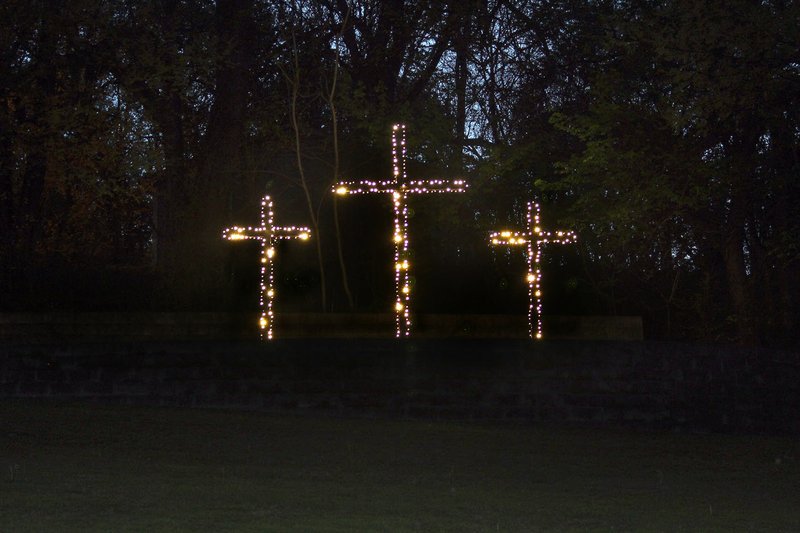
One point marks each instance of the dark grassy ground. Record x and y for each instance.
(74, 467)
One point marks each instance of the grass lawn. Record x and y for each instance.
(76, 467)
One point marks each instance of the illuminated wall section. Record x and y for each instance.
(534, 240)
(267, 233)
(400, 188)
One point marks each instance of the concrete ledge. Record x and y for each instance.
(696, 387)
(68, 327)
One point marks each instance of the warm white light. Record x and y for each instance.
(400, 187)
(266, 234)
(535, 238)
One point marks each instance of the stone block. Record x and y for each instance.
(95, 388)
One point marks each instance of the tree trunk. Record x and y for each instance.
(7, 238)
(170, 195)
(736, 275)
(331, 97)
(294, 82)
(222, 167)
(461, 99)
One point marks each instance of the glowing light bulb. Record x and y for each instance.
(341, 190)
(270, 252)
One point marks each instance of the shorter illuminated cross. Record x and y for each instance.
(400, 187)
(267, 233)
(533, 239)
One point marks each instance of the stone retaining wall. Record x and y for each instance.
(77, 327)
(648, 385)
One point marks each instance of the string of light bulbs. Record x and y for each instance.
(533, 239)
(400, 187)
(267, 233)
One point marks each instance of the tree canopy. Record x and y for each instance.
(665, 133)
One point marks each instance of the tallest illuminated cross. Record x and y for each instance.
(400, 187)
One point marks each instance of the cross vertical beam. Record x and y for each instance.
(402, 289)
(534, 240)
(401, 266)
(267, 233)
(400, 187)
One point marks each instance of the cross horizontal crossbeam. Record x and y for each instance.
(389, 187)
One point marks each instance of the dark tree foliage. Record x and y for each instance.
(684, 182)
(665, 133)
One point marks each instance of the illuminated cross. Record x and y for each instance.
(534, 239)
(267, 233)
(400, 187)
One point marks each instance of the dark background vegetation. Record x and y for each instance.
(665, 133)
